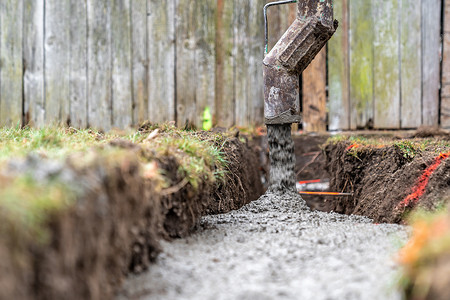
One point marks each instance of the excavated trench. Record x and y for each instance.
(276, 248)
(74, 228)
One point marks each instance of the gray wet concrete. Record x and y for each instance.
(282, 159)
(275, 248)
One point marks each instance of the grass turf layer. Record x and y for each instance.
(81, 209)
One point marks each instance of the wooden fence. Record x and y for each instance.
(116, 63)
(384, 64)
(445, 91)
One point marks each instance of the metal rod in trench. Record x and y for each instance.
(266, 26)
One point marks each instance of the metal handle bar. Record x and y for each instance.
(266, 26)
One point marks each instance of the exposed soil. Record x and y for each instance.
(310, 159)
(310, 165)
(185, 205)
(117, 222)
(381, 178)
(95, 242)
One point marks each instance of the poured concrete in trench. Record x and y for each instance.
(275, 248)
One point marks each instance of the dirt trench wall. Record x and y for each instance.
(120, 212)
(109, 231)
(381, 178)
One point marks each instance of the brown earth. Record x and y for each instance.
(117, 220)
(310, 165)
(381, 178)
(92, 244)
(185, 205)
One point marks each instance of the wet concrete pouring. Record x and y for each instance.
(276, 248)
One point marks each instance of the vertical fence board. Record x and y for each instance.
(255, 91)
(314, 95)
(338, 71)
(161, 54)
(11, 70)
(57, 61)
(186, 70)
(99, 64)
(122, 97)
(386, 64)
(205, 58)
(431, 43)
(225, 64)
(33, 58)
(361, 64)
(139, 60)
(78, 64)
(445, 92)
(274, 24)
(411, 63)
(242, 51)
(279, 21)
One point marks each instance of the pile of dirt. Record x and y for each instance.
(119, 213)
(388, 179)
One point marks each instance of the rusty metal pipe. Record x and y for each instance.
(282, 66)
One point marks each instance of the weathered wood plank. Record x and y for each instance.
(11, 70)
(361, 64)
(279, 20)
(122, 96)
(338, 71)
(57, 61)
(445, 92)
(205, 58)
(225, 63)
(78, 64)
(386, 64)
(445, 112)
(431, 43)
(99, 65)
(186, 66)
(161, 53)
(314, 94)
(33, 59)
(242, 50)
(255, 93)
(411, 63)
(140, 61)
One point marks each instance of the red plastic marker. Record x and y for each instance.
(325, 193)
(310, 181)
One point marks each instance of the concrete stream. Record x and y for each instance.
(276, 248)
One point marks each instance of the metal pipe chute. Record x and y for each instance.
(282, 66)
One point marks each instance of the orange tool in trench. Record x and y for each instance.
(335, 194)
